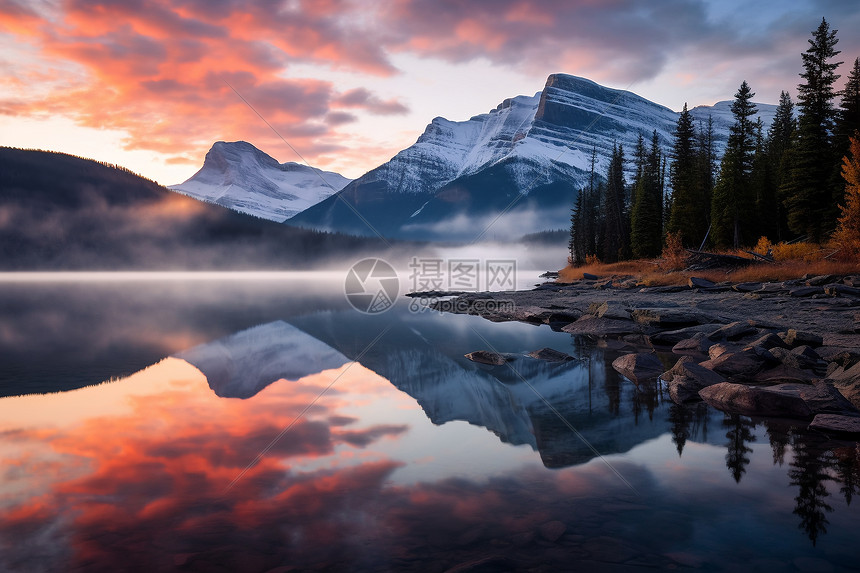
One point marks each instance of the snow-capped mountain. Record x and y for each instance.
(239, 176)
(516, 168)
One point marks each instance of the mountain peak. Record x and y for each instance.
(238, 175)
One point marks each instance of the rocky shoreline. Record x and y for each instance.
(787, 350)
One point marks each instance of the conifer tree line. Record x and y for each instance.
(785, 182)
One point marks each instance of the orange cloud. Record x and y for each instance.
(158, 71)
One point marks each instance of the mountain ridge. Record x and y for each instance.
(517, 167)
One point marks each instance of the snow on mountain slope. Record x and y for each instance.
(239, 176)
(242, 364)
(721, 114)
(460, 175)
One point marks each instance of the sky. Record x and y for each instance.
(345, 84)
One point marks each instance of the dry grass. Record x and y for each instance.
(651, 273)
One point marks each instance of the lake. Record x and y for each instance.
(258, 422)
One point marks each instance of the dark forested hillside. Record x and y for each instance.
(58, 211)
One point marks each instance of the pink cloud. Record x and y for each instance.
(157, 70)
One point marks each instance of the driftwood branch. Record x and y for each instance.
(701, 260)
(765, 258)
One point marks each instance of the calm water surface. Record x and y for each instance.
(264, 425)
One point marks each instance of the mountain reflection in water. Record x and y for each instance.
(160, 470)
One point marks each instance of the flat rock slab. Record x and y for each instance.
(602, 326)
(834, 423)
(794, 338)
(782, 374)
(612, 309)
(782, 400)
(820, 280)
(746, 287)
(489, 358)
(663, 289)
(803, 292)
(733, 331)
(551, 355)
(842, 290)
(697, 282)
(671, 317)
(639, 367)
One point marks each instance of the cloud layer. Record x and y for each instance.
(164, 72)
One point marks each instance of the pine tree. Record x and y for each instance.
(848, 121)
(766, 222)
(646, 218)
(615, 234)
(733, 204)
(808, 190)
(576, 244)
(780, 139)
(706, 160)
(689, 214)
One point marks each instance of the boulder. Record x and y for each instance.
(844, 357)
(801, 358)
(793, 338)
(848, 383)
(488, 357)
(612, 309)
(767, 342)
(717, 350)
(782, 400)
(736, 365)
(834, 423)
(699, 343)
(783, 374)
(590, 277)
(551, 355)
(823, 398)
(764, 354)
(533, 314)
(686, 378)
(733, 331)
(672, 337)
(639, 367)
